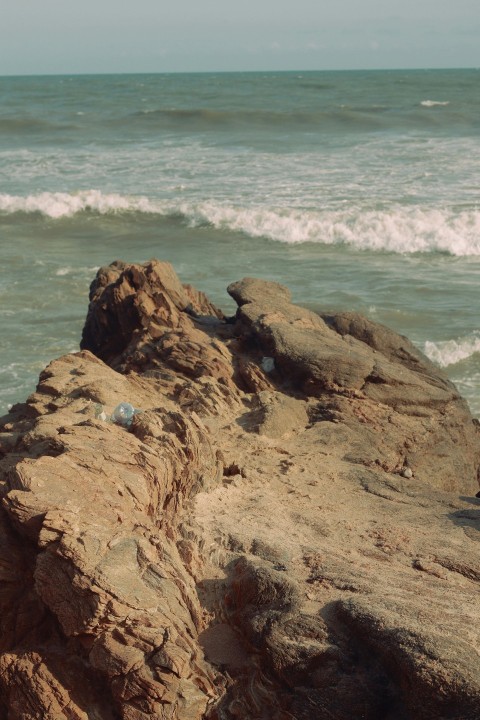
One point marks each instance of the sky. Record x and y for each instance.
(109, 36)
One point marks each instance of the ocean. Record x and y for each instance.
(359, 190)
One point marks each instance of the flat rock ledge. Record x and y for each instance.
(288, 529)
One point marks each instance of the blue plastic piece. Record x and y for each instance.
(123, 414)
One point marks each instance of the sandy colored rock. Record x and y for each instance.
(252, 545)
(365, 373)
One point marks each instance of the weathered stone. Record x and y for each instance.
(424, 418)
(253, 545)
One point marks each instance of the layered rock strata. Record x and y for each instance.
(288, 528)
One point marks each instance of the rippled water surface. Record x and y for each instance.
(359, 190)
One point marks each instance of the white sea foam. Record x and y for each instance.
(402, 230)
(397, 229)
(11, 370)
(451, 352)
(70, 270)
(58, 205)
(433, 103)
(469, 388)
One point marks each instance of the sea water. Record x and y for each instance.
(358, 190)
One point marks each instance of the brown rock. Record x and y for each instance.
(132, 304)
(423, 419)
(279, 414)
(252, 546)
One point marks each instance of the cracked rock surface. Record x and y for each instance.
(288, 529)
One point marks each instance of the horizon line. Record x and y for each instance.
(234, 72)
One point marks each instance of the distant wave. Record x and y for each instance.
(399, 229)
(362, 118)
(451, 352)
(26, 125)
(337, 118)
(433, 103)
(334, 118)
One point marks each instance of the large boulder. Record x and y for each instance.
(412, 415)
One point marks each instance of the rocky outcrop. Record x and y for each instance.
(363, 371)
(288, 527)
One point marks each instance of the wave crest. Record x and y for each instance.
(401, 230)
(59, 204)
(451, 352)
(396, 229)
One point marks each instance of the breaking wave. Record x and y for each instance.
(397, 229)
(451, 352)
(59, 205)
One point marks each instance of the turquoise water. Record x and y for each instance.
(359, 190)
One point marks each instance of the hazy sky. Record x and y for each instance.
(90, 36)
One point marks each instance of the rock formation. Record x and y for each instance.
(288, 529)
